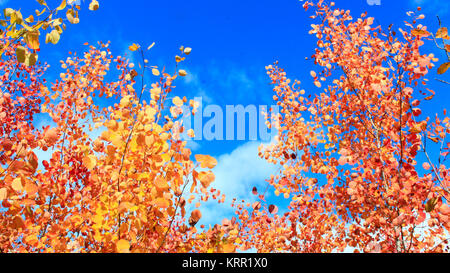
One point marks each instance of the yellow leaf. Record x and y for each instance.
(39, 13)
(177, 101)
(155, 72)
(17, 184)
(3, 194)
(53, 37)
(98, 219)
(150, 46)
(443, 68)
(17, 18)
(70, 16)
(32, 39)
(187, 50)
(31, 59)
(30, 19)
(62, 6)
(8, 12)
(206, 161)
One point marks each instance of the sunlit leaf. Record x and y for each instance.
(123, 246)
(182, 73)
(32, 39)
(94, 5)
(62, 5)
(206, 161)
(133, 47)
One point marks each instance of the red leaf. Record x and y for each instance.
(273, 209)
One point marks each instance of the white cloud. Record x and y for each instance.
(193, 81)
(432, 7)
(215, 81)
(236, 174)
(193, 145)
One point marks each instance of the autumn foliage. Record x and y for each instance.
(350, 155)
(354, 158)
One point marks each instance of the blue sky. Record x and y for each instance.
(232, 42)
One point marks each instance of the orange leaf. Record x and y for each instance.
(31, 188)
(206, 178)
(133, 47)
(161, 185)
(206, 161)
(228, 248)
(434, 139)
(442, 33)
(162, 203)
(420, 33)
(18, 222)
(90, 162)
(51, 136)
(195, 217)
(443, 68)
(123, 246)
